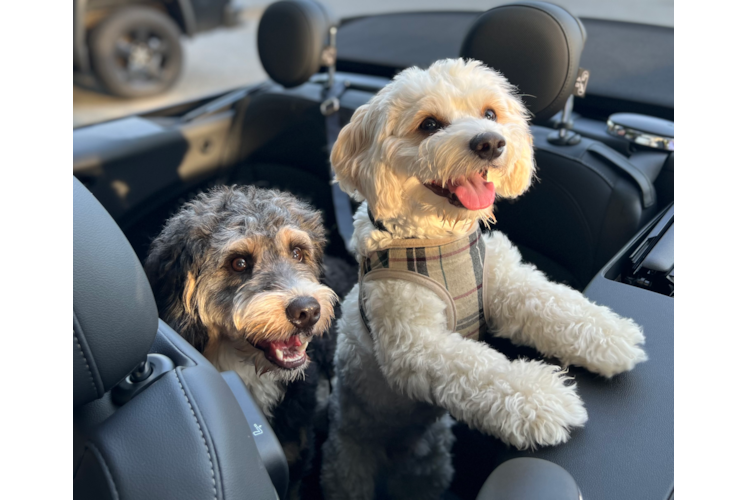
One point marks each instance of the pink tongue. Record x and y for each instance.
(473, 192)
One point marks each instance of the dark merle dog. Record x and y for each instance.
(237, 272)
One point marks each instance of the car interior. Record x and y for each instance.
(154, 419)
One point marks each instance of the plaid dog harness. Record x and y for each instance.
(452, 268)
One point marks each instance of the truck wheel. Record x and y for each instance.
(136, 52)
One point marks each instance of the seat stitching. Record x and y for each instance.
(106, 467)
(85, 360)
(202, 435)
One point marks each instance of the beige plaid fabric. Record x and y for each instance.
(451, 268)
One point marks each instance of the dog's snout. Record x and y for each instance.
(488, 145)
(303, 312)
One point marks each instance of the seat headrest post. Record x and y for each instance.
(329, 57)
(565, 136)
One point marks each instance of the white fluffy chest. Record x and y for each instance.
(266, 390)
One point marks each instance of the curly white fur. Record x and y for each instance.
(555, 319)
(525, 403)
(396, 383)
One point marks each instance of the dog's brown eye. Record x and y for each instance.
(297, 254)
(490, 114)
(430, 125)
(239, 264)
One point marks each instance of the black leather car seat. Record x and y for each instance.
(588, 200)
(184, 435)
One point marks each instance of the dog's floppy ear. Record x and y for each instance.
(171, 268)
(520, 166)
(349, 152)
(356, 159)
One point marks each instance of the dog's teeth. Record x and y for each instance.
(279, 354)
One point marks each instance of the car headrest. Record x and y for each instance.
(114, 313)
(291, 38)
(536, 46)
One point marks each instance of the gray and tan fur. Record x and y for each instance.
(230, 315)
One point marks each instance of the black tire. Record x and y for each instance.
(136, 52)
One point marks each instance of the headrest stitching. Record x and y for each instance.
(85, 360)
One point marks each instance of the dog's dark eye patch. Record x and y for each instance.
(240, 263)
(431, 125)
(300, 251)
(295, 243)
(297, 254)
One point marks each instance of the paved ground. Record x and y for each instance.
(226, 58)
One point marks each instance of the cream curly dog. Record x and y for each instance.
(429, 154)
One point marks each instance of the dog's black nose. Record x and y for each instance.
(488, 145)
(303, 312)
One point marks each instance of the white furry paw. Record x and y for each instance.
(542, 409)
(616, 348)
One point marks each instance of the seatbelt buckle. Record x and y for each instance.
(329, 106)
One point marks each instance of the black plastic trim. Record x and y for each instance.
(128, 389)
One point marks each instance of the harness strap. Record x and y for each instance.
(453, 268)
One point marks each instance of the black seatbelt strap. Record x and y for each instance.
(330, 109)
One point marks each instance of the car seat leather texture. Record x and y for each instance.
(114, 313)
(184, 436)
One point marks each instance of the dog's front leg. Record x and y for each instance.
(558, 321)
(524, 403)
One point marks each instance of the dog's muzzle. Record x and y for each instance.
(290, 353)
